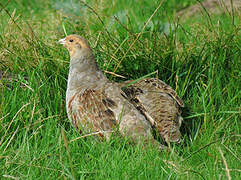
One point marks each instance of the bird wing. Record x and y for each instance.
(99, 110)
(91, 111)
(159, 103)
(152, 84)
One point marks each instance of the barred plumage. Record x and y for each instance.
(94, 104)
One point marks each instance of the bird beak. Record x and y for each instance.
(62, 41)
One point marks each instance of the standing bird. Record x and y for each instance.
(159, 103)
(96, 105)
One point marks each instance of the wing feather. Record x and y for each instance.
(159, 103)
(90, 111)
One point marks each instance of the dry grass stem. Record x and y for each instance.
(91, 134)
(225, 164)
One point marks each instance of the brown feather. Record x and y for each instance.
(159, 103)
(89, 110)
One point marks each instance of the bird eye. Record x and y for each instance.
(71, 40)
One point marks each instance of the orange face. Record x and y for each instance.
(74, 43)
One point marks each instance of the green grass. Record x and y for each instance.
(199, 57)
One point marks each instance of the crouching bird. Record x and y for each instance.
(96, 105)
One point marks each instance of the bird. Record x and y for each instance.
(94, 104)
(134, 108)
(159, 103)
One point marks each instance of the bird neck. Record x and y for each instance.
(84, 73)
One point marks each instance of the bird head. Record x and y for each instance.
(75, 44)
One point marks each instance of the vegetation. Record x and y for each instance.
(198, 56)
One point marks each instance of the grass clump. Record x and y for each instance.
(199, 57)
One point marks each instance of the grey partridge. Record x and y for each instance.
(96, 105)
